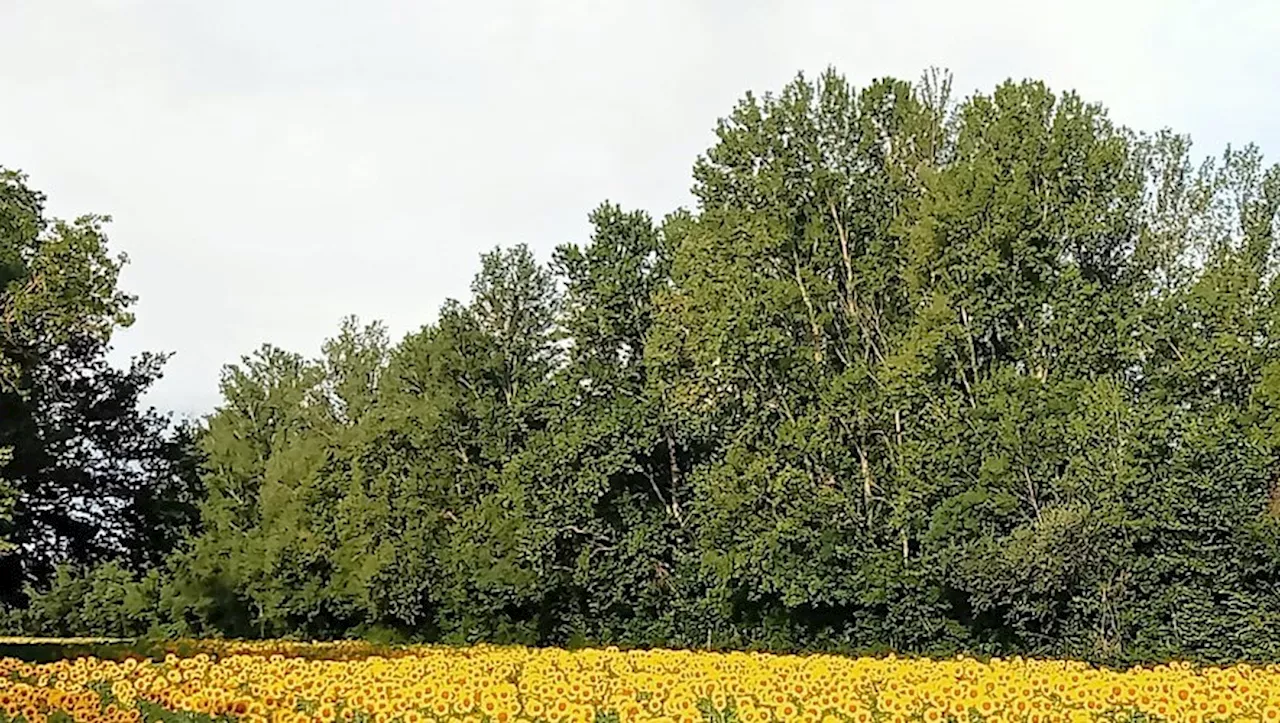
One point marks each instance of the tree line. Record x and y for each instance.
(918, 373)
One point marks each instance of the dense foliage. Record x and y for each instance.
(932, 375)
(86, 475)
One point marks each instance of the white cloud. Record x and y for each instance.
(272, 166)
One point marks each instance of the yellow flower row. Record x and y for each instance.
(289, 682)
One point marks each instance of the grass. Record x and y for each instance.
(44, 650)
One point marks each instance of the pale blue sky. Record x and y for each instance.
(273, 165)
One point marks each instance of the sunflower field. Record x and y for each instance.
(484, 684)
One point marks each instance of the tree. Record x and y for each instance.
(784, 339)
(604, 478)
(989, 374)
(469, 393)
(7, 495)
(86, 464)
(366, 490)
(262, 565)
(935, 348)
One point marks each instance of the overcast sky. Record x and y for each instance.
(273, 165)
